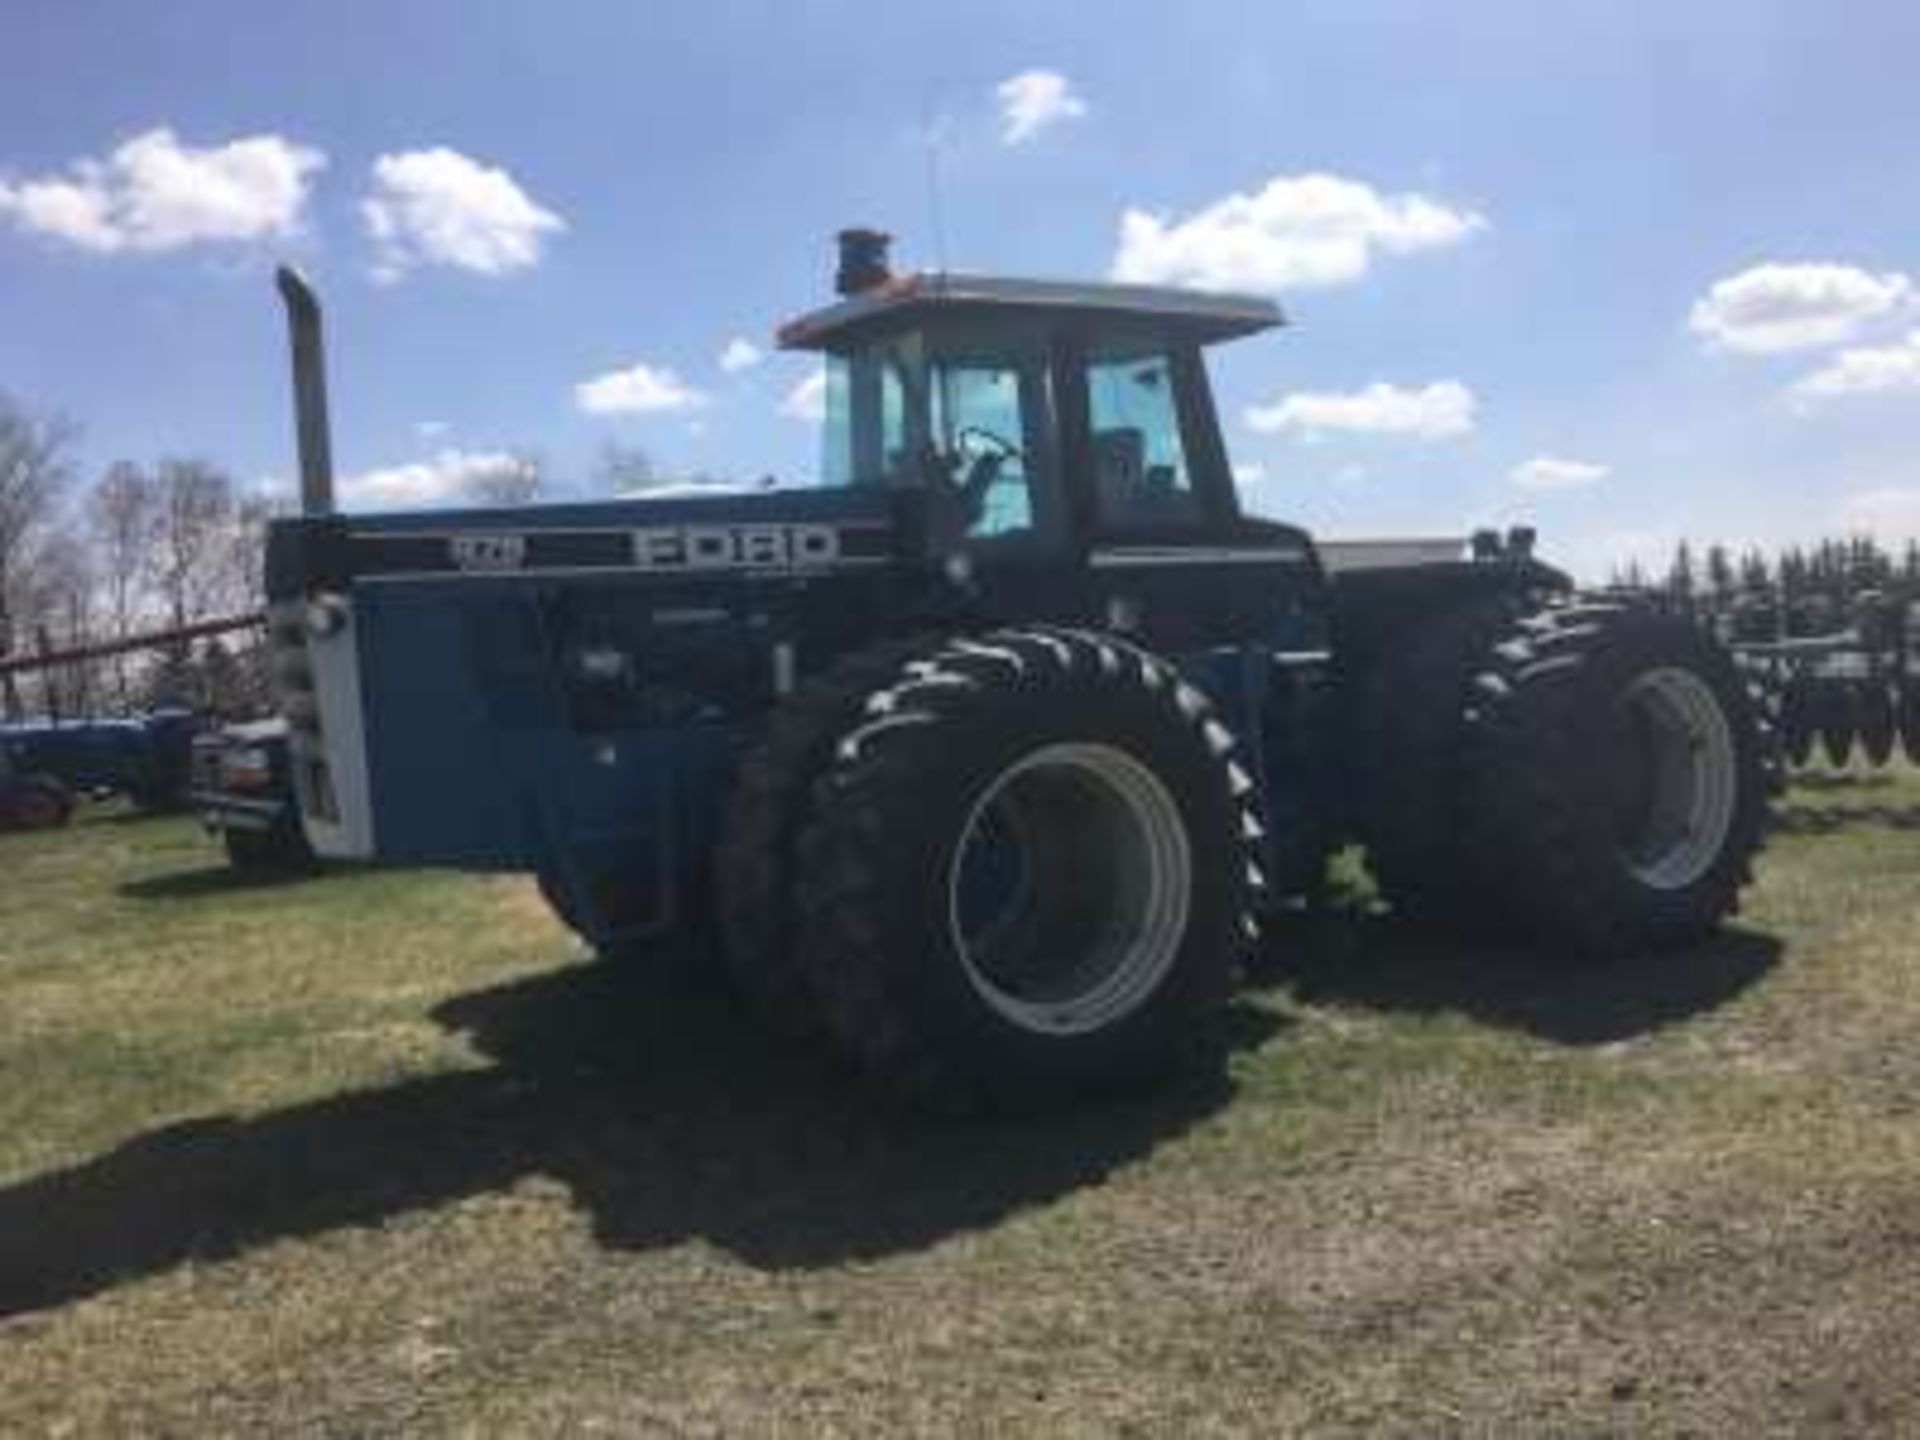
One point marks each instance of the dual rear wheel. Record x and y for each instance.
(1011, 866)
(1590, 778)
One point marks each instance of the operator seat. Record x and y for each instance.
(1120, 471)
(1129, 488)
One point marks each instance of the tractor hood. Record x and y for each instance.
(763, 534)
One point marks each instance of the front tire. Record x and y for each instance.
(1027, 871)
(283, 849)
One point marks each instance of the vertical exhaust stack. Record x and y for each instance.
(863, 261)
(309, 391)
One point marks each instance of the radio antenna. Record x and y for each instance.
(932, 131)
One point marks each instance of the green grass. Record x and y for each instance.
(374, 1153)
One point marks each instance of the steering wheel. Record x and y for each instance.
(989, 454)
(995, 445)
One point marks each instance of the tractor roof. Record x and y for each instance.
(900, 300)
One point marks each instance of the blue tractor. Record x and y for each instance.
(983, 756)
(30, 801)
(146, 758)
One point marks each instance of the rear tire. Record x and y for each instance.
(1619, 781)
(1027, 872)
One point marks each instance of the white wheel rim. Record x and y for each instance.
(1130, 890)
(1694, 776)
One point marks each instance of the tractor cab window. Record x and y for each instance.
(971, 425)
(1140, 468)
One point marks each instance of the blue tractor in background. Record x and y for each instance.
(147, 759)
(30, 801)
(983, 756)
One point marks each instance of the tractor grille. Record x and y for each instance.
(208, 775)
(292, 670)
(299, 702)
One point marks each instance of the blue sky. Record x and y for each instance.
(1623, 270)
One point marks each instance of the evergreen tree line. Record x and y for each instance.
(1801, 591)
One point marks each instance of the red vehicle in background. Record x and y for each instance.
(31, 802)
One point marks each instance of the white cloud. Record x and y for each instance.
(1776, 307)
(453, 477)
(153, 193)
(1889, 513)
(1432, 412)
(740, 354)
(1865, 371)
(430, 429)
(1550, 472)
(1297, 232)
(637, 390)
(1033, 101)
(439, 207)
(808, 400)
(1250, 472)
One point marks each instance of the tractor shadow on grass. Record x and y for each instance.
(1357, 956)
(219, 879)
(667, 1118)
(1842, 780)
(1802, 819)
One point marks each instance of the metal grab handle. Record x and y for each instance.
(309, 391)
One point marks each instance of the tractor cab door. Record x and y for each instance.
(991, 465)
(1169, 558)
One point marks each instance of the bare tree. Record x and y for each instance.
(196, 509)
(242, 584)
(61, 601)
(35, 472)
(123, 521)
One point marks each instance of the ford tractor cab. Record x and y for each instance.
(981, 754)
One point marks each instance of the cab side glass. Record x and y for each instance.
(1140, 469)
(866, 436)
